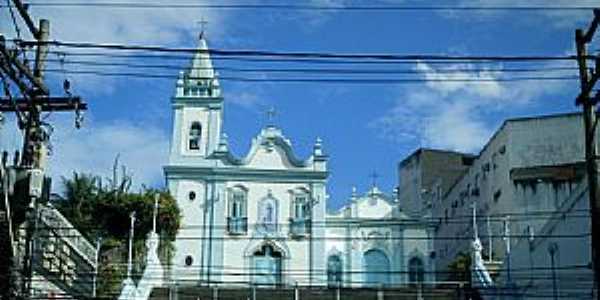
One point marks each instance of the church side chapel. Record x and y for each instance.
(262, 219)
(371, 242)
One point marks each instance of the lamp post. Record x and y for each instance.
(490, 242)
(552, 249)
(507, 243)
(131, 232)
(96, 267)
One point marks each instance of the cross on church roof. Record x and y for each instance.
(271, 113)
(202, 23)
(374, 176)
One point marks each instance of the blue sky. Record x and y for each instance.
(364, 127)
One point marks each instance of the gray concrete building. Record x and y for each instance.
(426, 174)
(531, 170)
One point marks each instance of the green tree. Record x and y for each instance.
(460, 269)
(80, 196)
(103, 211)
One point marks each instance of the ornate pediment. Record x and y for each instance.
(270, 150)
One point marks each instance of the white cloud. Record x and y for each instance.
(450, 114)
(170, 27)
(456, 127)
(246, 99)
(158, 26)
(142, 148)
(564, 18)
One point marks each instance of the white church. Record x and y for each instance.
(262, 219)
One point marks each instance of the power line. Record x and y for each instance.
(318, 70)
(188, 56)
(325, 80)
(517, 217)
(239, 6)
(324, 55)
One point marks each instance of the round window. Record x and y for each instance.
(189, 260)
(192, 196)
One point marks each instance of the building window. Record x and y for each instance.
(237, 222)
(195, 135)
(334, 271)
(416, 271)
(502, 149)
(300, 219)
(301, 209)
(497, 195)
(189, 260)
(192, 195)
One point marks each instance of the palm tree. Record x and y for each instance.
(78, 198)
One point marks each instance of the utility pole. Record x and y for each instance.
(34, 101)
(489, 236)
(588, 81)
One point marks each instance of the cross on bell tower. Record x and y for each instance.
(202, 24)
(374, 176)
(197, 97)
(271, 113)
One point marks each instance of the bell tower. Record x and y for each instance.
(197, 110)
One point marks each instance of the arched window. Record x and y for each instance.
(377, 268)
(267, 266)
(237, 219)
(334, 271)
(416, 270)
(194, 136)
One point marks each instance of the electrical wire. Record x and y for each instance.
(316, 70)
(295, 6)
(323, 80)
(298, 54)
(188, 56)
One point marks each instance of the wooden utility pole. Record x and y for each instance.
(590, 121)
(35, 100)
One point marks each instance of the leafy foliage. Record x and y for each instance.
(460, 268)
(98, 210)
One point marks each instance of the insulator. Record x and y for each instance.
(67, 87)
(78, 119)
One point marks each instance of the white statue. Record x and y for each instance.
(480, 277)
(154, 272)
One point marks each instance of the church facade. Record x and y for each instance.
(262, 218)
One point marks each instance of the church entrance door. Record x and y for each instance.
(377, 267)
(267, 266)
